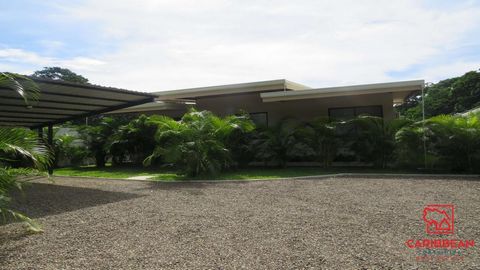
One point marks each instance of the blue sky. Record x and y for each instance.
(161, 45)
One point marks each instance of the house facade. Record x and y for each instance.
(268, 102)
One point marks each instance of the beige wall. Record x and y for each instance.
(302, 109)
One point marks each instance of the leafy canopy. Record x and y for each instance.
(58, 73)
(454, 95)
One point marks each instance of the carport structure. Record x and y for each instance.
(61, 101)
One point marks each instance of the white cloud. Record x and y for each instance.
(186, 43)
(26, 62)
(455, 69)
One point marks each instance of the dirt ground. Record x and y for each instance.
(328, 223)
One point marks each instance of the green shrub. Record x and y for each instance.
(98, 137)
(374, 139)
(452, 143)
(133, 141)
(197, 143)
(285, 141)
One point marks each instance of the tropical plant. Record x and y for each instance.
(97, 138)
(410, 148)
(18, 143)
(375, 138)
(452, 143)
(324, 140)
(133, 140)
(67, 148)
(283, 142)
(197, 143)
(455, 140)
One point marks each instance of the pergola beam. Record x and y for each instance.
(50, 144)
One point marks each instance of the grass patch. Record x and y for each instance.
(165, 175)
(111, 172)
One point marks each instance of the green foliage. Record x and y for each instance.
(9, 181)
(409, 146)
(287, 140)
(58, 73)
(454, 95)
(198, 143)
(324, 140)
(455, 140)
(67, 148)
(452, 143)
(134, 140)
(466, 92)
(20, 143)
(23, 143)
(21, 85)
(97, 138)
(375, 139)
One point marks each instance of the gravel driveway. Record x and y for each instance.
(331, 223)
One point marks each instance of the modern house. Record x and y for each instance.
(269, 101)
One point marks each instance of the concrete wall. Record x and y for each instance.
(306, 109)
(302, 109)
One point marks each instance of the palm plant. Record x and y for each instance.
(409, 147)
(18, 143)
(197, 143)
(324, 141)
(452, 143)
(375, 138)
(285, 141)
(134, 140)
(68, 149)
(455, 140)
(98, 137)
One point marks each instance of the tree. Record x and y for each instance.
(21, 143)
(466, 92)
(58, 73)
(454, 95)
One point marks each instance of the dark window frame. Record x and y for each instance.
(256, 113)
(355, 114)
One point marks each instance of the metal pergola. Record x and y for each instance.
(61, 101)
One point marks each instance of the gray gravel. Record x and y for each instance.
(334, 223)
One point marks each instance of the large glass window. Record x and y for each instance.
(352, 112)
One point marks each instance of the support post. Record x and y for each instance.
(50, 144)
(40, 134)
(423, 127)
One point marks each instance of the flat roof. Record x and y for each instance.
(227, 89)
(389, 87)
(277, 90)
(61, 101)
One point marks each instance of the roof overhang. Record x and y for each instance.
(64, 101)
(174, 105)
(240, 88)
(399, 89)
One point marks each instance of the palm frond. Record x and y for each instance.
(26, 144)
(20, 84)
